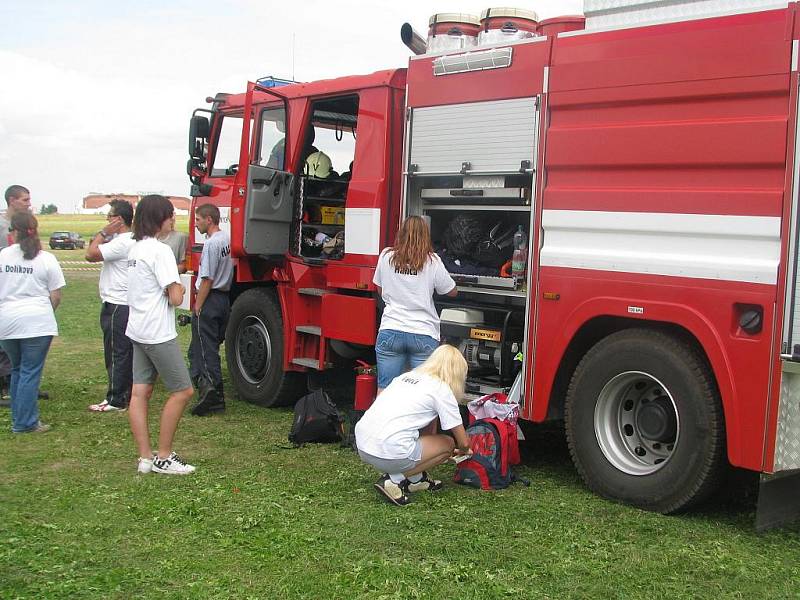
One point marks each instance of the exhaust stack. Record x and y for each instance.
(412, 39)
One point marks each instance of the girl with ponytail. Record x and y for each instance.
(30, 291)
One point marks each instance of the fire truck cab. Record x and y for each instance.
(650, 160)
(304, 243)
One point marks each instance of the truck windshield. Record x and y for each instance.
(229, 139)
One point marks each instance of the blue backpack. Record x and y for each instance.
(494, 447)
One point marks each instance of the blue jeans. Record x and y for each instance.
(394, 349)
(27, 361)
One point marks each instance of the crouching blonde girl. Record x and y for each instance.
(391, 437)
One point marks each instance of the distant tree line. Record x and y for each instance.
(48, 209)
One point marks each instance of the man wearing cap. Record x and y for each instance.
(18, 199)
(211, 311)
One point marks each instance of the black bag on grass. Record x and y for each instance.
(316, 419)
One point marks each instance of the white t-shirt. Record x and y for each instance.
(390, 427)
(151, 269)
(25, 286)
(114, 273)
(409, 295)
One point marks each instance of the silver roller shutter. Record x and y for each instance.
(494, 137)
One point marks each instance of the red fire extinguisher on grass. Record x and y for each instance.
(366, 385)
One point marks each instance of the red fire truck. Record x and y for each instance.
(649, 154)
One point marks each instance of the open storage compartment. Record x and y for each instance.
(471, 174)
(473, 220)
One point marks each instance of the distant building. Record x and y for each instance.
(98, 204)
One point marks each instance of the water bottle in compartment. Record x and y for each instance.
(520, 258)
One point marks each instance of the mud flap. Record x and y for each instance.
(777, 500)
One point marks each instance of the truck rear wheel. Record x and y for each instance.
(254, 351)
(644, 422)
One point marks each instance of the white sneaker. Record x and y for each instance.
(145, 466)
(104, 406)
(172, 465)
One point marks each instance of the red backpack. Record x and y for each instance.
(494, 448)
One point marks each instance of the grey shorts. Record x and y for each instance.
(393, 465)
(164, 359)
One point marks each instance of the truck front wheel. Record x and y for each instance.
(254, 351)
(644, 422)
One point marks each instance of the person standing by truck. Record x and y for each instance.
(211, 311)
(407, 276)
(111, 246)
(154, 289)
(30, 291)
(177, 243)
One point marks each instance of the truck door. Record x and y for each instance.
(270, 189)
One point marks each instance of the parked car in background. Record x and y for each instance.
(66, 240)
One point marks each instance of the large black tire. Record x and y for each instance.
(644, 422)
(254, 351)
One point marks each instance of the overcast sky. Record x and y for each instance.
(97, 94)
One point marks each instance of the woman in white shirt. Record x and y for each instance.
(30, 290)
(392, 435)
(154, 290)
(407, 275)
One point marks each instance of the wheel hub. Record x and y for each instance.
(636, 423)
(657, 420)
(253, 349)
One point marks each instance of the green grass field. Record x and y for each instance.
(86, 225)
(260, 519)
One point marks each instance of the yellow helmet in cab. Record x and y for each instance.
(318, 165)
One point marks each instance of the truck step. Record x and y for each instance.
(312, 291)
(311, 363)
(312, 329)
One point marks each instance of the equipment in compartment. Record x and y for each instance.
(499, 195)
(321, 218)
(462, 234)
(489, 339)
(476, 247)
(332, 215)
(488, 281)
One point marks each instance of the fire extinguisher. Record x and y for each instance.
(366, 385)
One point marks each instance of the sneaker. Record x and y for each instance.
(172, 465)
(104, 406)
(40, 428)
(426, 483)
(395, 493)
(145, 465)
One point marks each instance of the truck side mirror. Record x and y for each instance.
(198, 137)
